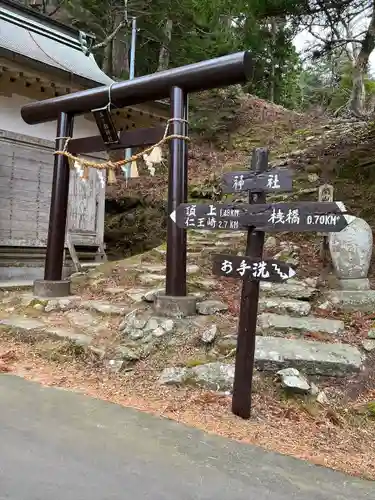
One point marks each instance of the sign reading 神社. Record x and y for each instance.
(270, 181)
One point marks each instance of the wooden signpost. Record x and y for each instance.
(294, 216)
(256, 217)
(245, 351)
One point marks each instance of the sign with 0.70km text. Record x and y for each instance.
(294, 216)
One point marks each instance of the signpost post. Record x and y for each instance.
(256, 217)
(244, 366)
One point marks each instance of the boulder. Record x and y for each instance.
(208, 307)
(214, 376)
(293, 380)
(368, 345)
(270, 243)
(351, 249)
(209, 335)
(173, 375)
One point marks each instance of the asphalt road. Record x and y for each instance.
(60, 445)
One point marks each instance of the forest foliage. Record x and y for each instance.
(332, 75)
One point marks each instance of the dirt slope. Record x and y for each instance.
(224, 130)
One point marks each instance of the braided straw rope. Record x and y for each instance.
(111, 165)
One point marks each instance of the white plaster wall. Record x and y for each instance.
(10, 119)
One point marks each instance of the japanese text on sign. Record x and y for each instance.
(292, 216)
(259, 269)
(273, 182)
(213, 218)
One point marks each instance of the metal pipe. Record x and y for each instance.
(128, 151)
(59, 202)
(219, 72)
(132, 49)
(176, 237)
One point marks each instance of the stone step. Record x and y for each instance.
(350, 300)
(102, 307)
(151, 278)
(151, 267)
(272, 354)
(220, 234)
(311, 357)
(137, 294)
(281, 324)
(22, 324)
(25, 326)
(158, 271)
(207, 284)
(16, 284)
(225, 244)
(201, 242)
(285, 306)
(205, 250)
(230, 235)
(292, 289)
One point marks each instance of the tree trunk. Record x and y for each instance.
(227, 21)
(120, 52)
(357, 102)
(107, 59)
(273, 60)
(164, 49)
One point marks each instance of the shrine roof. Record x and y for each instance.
(43, 43)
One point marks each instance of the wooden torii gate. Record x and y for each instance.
(175, 83)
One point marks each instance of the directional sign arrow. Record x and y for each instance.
(246, 268)
(276, 179)
(294, 216)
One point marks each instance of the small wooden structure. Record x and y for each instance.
(41, 58)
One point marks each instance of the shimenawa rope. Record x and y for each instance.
(84, 164)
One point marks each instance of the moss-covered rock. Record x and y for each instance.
(133, 226)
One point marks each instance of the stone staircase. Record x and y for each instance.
(286, 320)
(285, 310)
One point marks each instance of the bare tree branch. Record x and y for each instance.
(345, 26)
(56, 9)
(110, 37)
